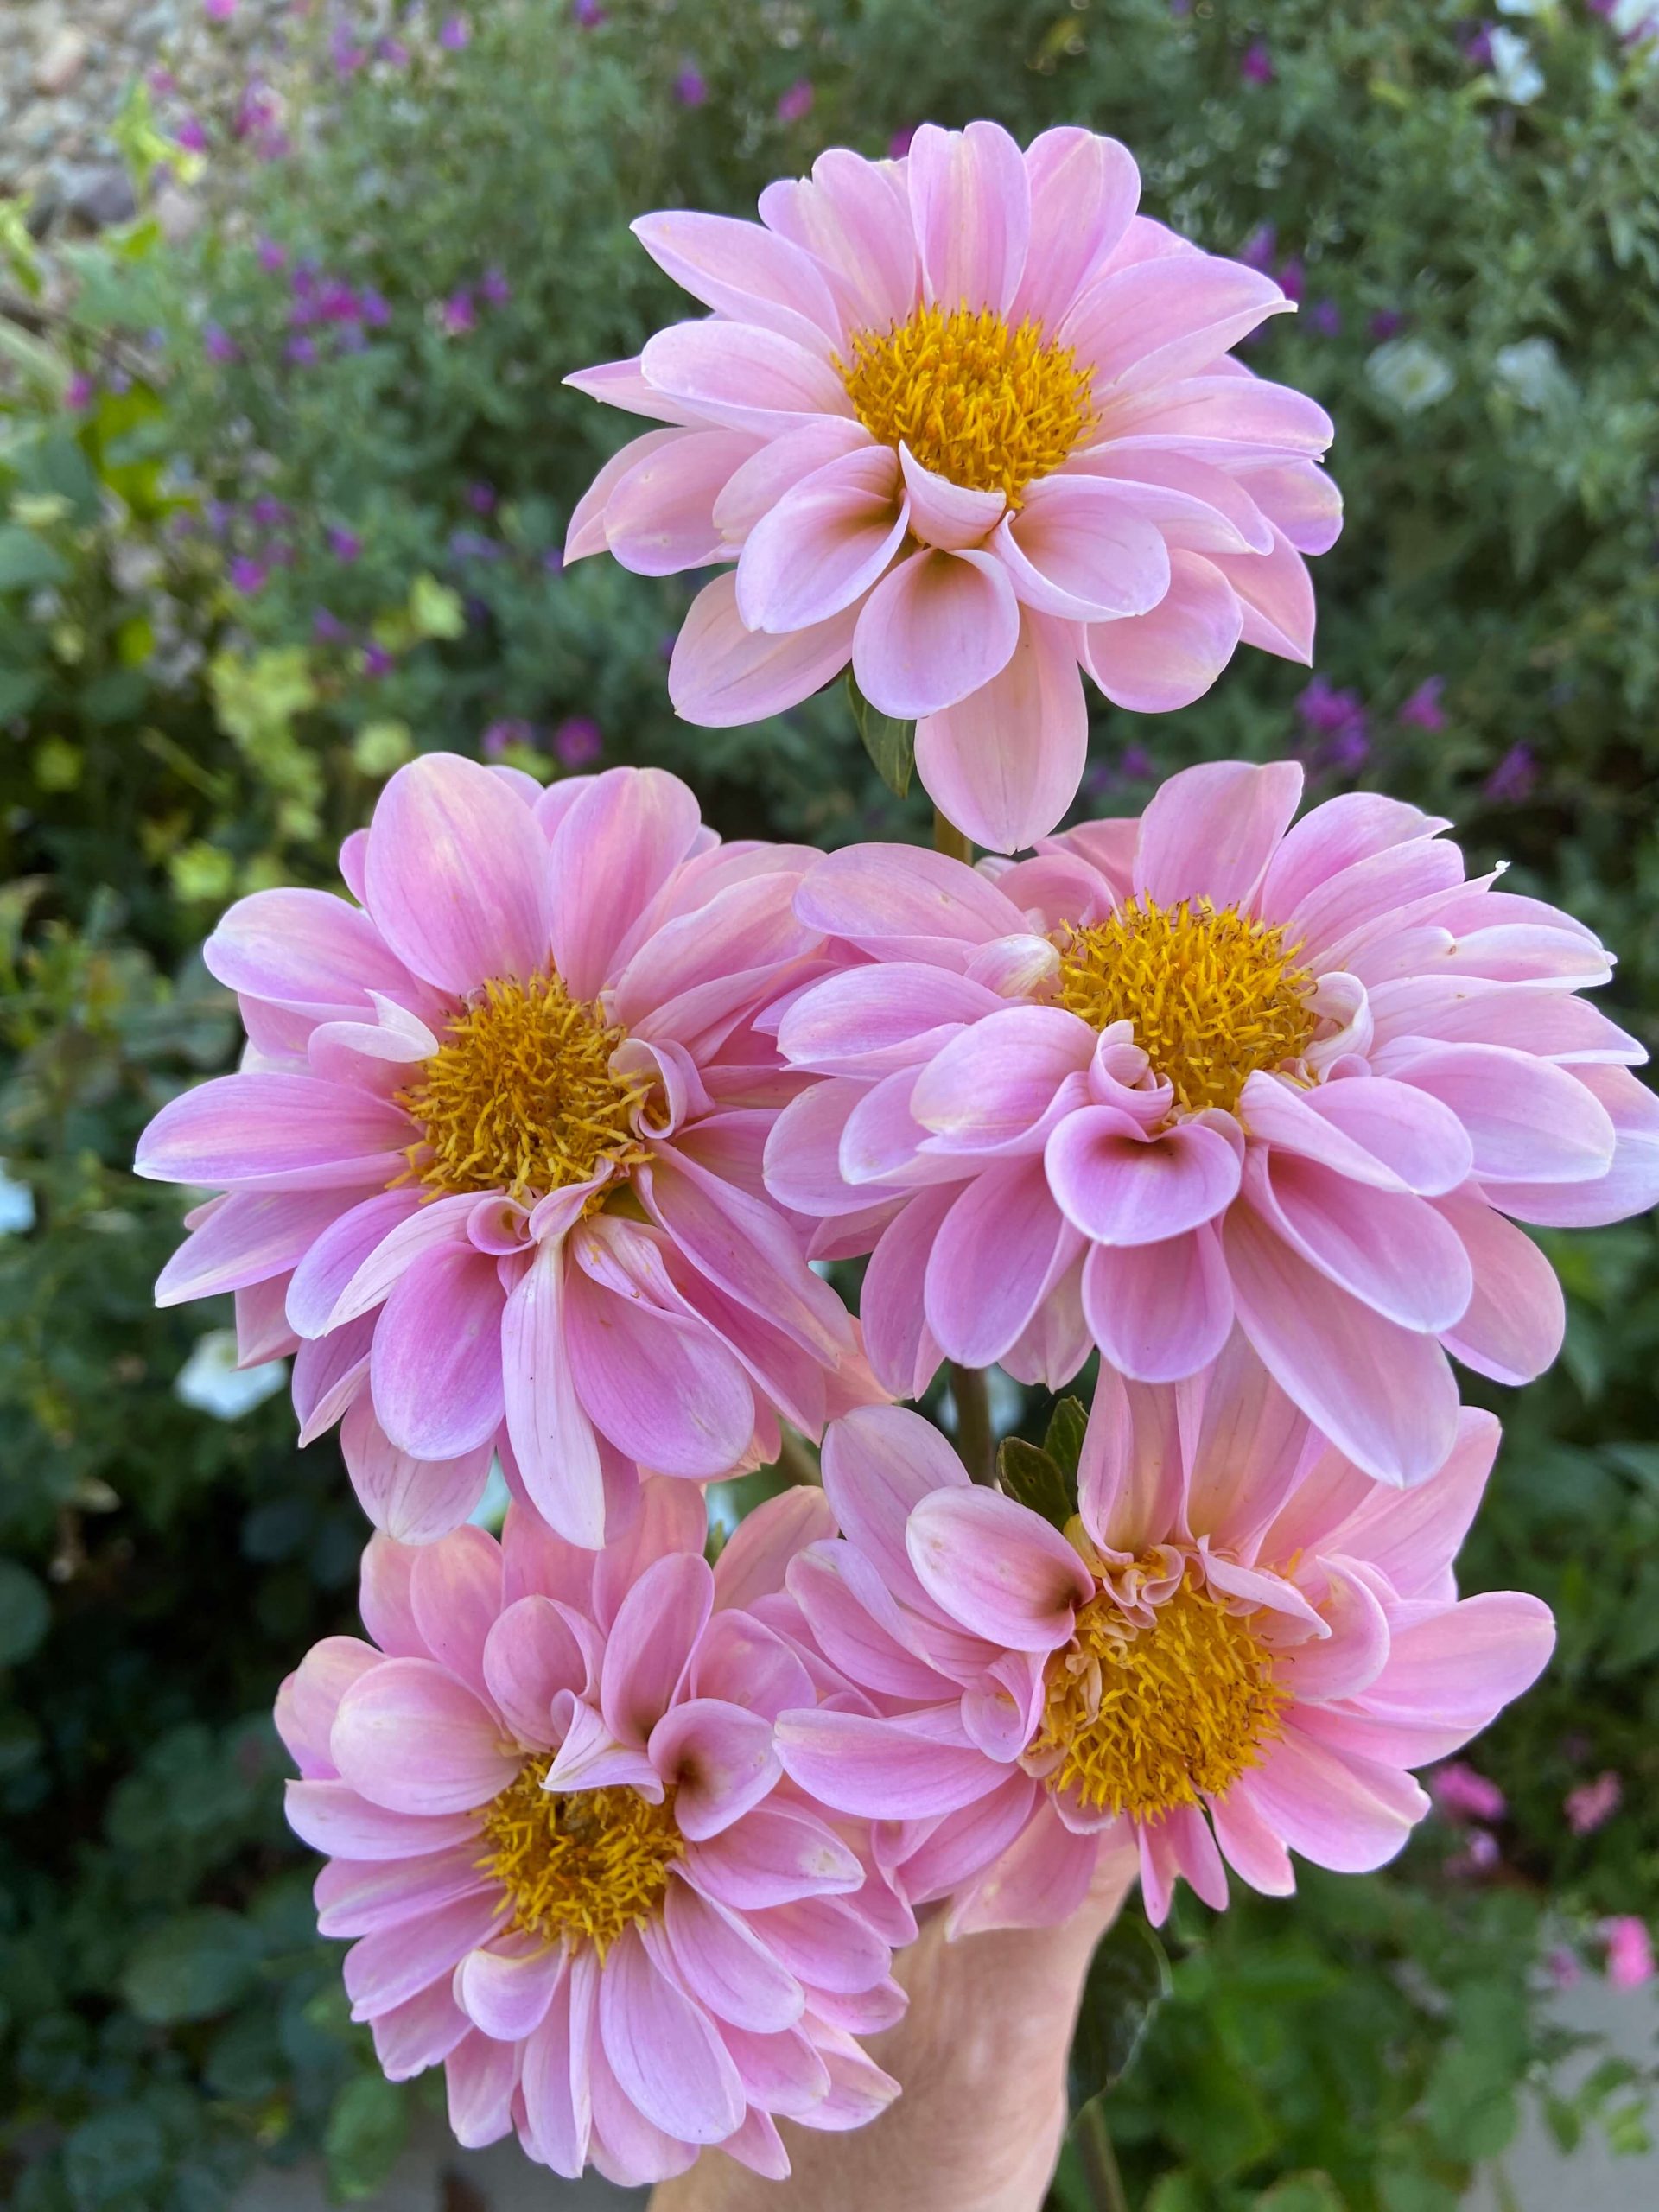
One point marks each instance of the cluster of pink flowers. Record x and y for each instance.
(545, 1137)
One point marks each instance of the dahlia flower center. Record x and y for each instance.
(520, 1095)
(984, 406)
(1212, 995)
(583, 1863)
(1145, 1719)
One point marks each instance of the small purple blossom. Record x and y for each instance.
(272, 256)
(1255, 63)
(1593, 1804)
(553, 561)
(80, 393)
(1479, 1856)
(346, 55)
(219, 11)
(472, 545)
(377, 661)
(458, 315)
(327, 628)
(248, 575)
(1463, 1794)
(1325, 316)
(345, 545)
(689, 88)
(1325, 710)
(220, 516)
(162, 82)
(190, 135)
(301, 350)
(577, 741)
(482, 498)
(1258, 250)
(1293, 278)
(350, 339)
(255, 110)
(495, 288)
(456, 33)
(338, 302)
(796, 105)
(1385, 323)
(268, 512)
(218, 344)
(374, 308)
(1423, 708)
(393, 53)
(1514, 777)
(587, 15)
(1477, 46)
(510, 731)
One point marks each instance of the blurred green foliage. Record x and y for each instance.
(280, 503)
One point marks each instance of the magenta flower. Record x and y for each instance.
(1593, 1804)
(578, 741)
(248, 575)
(796, 105)
(1236, 1650)
(1423, 708)
(191, 136)
(1205, 1066)
(494, 1151)
(1255, 63)
(495, 288)
(456, 33)
(345, 545)
(271, 256)
(458, 315)
(377, 661)
(546, 1790)
(1515, 777)
(968, 421)
(1326, 317)
(690, 88)
(79, 392)
(1630, 1951)
(1463, 1794)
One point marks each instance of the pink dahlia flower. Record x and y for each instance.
(1207, 1066)
(492, 1160)
(1237, 1648)
(557, 1826)
(967, 421)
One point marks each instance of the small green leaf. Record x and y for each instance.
(28, 562)
(25, 1612)
(1063, 1442)
(890, 743)
(1129, 1977)
(367, 2129)
(192, 1966)
(1303, 2192)
(1026, 1472)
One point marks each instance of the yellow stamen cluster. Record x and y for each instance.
(520, 1097)
(988, 408)
(1144, 1718)
(1212, 995)
(583, 1863)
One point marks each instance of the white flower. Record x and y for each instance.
(1517, 76)
(212, 1383)
(1410, 373)
(1530, 371)
(16, 1206)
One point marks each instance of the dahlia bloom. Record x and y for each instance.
(1204, 1067)
(557, 1826)
(967, 421)
(1237, 1648)
(492, 1160)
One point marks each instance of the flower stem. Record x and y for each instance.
(1099, 2160)
(947, 838)
(975, 1444)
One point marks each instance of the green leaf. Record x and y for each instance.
(367, 2129)
(1176, 2192)
(1063, 1442)
(192, 1966)
(1026, 1472)
(25, 1612)
(1304, 2192)
(890, 743)
(1128, 1979)
(28, 562)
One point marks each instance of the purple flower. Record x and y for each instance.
(1593, 1804)
(254, 110)
(1345, 754)
(1513, 779)
(480, 498)
(375, 309)
(393, 53)
(219, 11)
(588, 14)
(900, 144)
(1325, 710)
(1463, 1794)
(248, 575)
(1292, 278)
(80, 393)
(796, 105)
(268, 512)
(501, 734)
(1258, 250)
(1477, 46)
(345, 545)
(302, 352)
(218, 344)
(1255, 63)
(271, 256)
(553, 561)
(220, 516)
(458, 315)
(689, 89)
(162, 82)
(350, 339)
(456, 33)
(1138, 765)
(338, 302)
(1326, 317)
(1385, 323)
(577, 741)
(1423, 710)
(495, 288)
(472, 545)
(191, 136)
(327, 629)
(347, 56)
(1479, 1856)
(377, 661)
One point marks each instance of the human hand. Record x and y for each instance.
(980, 2054)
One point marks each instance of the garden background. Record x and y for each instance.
(284, 464)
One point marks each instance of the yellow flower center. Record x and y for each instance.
(1212, 996)
(583, 1863)
(520, 1097)
(1145, 1719)
(986, 407)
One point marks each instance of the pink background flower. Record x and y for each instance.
(968, 421)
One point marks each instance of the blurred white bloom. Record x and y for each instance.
(1526, 7)
(1530, 371)
(1636, 19)
(212, 1383)
(1410, 373)
(16, 1206)
(1517, 76)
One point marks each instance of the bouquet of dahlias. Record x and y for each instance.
(546, 1135)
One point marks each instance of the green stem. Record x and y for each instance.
(947, 838)
(1099, 2160)
(975, 1444)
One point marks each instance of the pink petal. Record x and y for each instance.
(697, 1416)
(1040, 1880)
(670, 1522)
(752, 491)
(878, 1464)
(871, 1021)
(998, 1250)
(1210, 832)
(651, 1639)
(1528, 1120)
(552, 1437)
(530, 1655)
(435, 1370)
(859, 1626)
(507, 1993)
(309, 1701)
(419, 2033)
(744, 272)
(1299, 499)
(1341, 1813)
(274, 1133)
(452, 919)
(1413, 1538)
(620, 384)
(946, 515)
(362, 1900)
(826, 1942)
(1462, 1666)
(1158, 1311)
(1078, 549)
(723, 673)
(1375, 1131)
(904, 903)
(586, 533)
(1130, 1480)
(455, 1590)
(555, 2071)
(824, 545)
(410, 1737)
(1003, 762)
(1157, 320)
(1386, 1247)
(1193, 504)
(854, 218)
(659, 517)
(718, 1760)
(613, 851)
(304, 948)
(667, 2059)
(881, 1770)
(353, 1266)
(757, 1556)
(389, 1969)
(971, 201)
(414, 1501)
(936, 628)
(997, 1078)
(1515, 1320)
(773, 1854)
(1119, 1189)
(998, 1568)
(726, 1967)
(1250, 1848)
(1247, 1457)
(742, 377)
(1166, 658)
(1632, 1183)
(1083, 191)
(1276, 594)
(738, 1660)
(333, 1818)
(250, 1236)
(1348, 1660)
(902, 1348)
